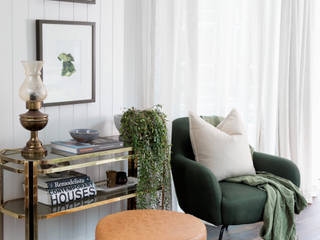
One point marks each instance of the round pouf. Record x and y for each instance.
(150, 225)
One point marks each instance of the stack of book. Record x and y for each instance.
(74, 147)
(71, 187)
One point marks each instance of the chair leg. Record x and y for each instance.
(221, 232)
(227, 228)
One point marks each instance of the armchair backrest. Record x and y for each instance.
(181, 143)
(197, 189)
(181, 137)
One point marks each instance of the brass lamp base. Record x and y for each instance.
(34, 121)
(35, 155)
(34, 148)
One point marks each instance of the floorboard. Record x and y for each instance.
(307, 223)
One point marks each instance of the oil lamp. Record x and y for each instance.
(33, 92)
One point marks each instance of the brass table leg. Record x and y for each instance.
(30, 204)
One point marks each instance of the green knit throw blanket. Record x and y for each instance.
(284, 199)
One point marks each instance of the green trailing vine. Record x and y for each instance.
(146, 132)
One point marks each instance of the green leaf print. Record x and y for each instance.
(67, 66)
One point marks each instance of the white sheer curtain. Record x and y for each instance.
(175, 40)
(175, 58)
(315, 96)
(209, 56)
(295, 113)
(238, 63)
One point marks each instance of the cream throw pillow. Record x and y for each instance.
(223, 149)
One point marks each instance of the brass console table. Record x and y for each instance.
(29, 208)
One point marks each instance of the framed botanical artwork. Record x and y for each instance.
(67, 49)
(79, 1)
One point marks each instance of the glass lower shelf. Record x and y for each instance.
(15, 207)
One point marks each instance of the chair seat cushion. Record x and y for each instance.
(241, 203)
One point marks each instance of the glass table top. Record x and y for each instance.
(54, 157)
(16, 209)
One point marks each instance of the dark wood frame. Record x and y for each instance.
(39, 40)
(78, 1)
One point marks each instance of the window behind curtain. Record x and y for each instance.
(232, 57)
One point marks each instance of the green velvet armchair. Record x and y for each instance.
(220, 203)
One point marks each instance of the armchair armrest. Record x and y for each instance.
(276, 165)
(197, 189)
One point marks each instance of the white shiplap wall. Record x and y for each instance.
(17, 42)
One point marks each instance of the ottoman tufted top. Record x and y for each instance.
(150, 225)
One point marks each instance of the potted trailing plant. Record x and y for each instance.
(146, 132)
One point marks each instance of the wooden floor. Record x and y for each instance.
(308, 227)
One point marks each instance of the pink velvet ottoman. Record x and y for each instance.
(150, 225)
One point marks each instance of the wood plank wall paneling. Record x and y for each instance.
(17, 42)
(6, 48)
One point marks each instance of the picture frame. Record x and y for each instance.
(78, 1)
(67, 49)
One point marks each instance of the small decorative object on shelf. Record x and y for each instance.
(33, 92)
(121, 178)
(84, 135)
(117, 121)
(111, 178)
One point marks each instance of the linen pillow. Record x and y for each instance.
(223, 149)
(215, 120)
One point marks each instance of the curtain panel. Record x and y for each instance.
(209, 56)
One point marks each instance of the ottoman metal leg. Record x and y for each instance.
(221, 232)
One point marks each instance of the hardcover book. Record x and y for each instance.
(72, 193)
(70, 178)
(99, 144)
(70, 187)
(67, 194)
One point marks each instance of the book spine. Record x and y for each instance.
(72, 193)
(88, 149)
(63, 148)
(100, 148)
(67, 182)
